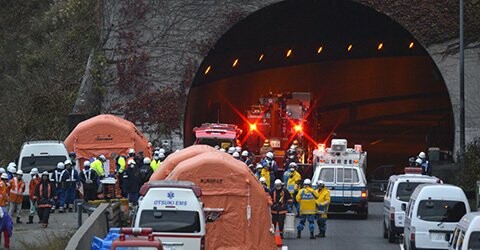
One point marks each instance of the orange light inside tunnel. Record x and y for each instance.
(208, 69)
(349, 48)
(289, 52)
(411, 45)
(319, 50)
(235, 63)
(380, 46)
(253, 126)
(260, 58)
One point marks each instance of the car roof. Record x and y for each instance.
(429, 187)
(412, 177)
(469, 219)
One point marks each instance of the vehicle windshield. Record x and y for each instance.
(405, 190)
(347, 175)
(441, 210)
(171, 221)
(223, 143)
(43, 163)
(474, 241)
(326, 174)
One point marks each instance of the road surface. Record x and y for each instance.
(345, 231)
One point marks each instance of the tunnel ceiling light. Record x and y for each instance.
(260, 58)
(235, 63)
(411, 45)
(380, 46)
(208, 69)
(349, 47)
(319, 50)
(289, 52)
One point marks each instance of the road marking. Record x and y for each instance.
(401, 247)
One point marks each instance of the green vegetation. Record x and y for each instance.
(44, 46)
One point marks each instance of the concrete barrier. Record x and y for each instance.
(95, 225)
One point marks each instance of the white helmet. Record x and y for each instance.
(292, 165)
(245, 153)
(259, 166)
(4, 176)
(131, 151)
(263, 180)
(419, 161)
(12, 164)
(231, 150)
(238, 149)
(60, 165)
(161, 155)
(320, 183)
(20, 172)
(45, 173)
(86, 163)
(307, 182)
(2, 170)
(236, 154)
(102, 157)
(422, 155)
(269, 155)
(68, 162)
(11, 169)
(162, 151)
(34, 171)
(278, 182)
(146, 160)
(222, 150)
(130, 162)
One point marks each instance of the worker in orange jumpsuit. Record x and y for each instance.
(4, 190)
(17, 188)
(31, 192)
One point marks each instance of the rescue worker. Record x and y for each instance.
(323, 202)
(31, 193)
(45, 196)
(56, 180)
(4, 190)
(280, 198)
(264, 185)
(236, 155)
(73, 158)
(120, 163)
(426, 169)
(307, 197)
(155, 163)
(6, 227)
(17, 188)
(238, 149)
(12, 169)
(89, 179)
(97, 166)
(231, 150)
(293, 185)
(265, 173)
(131, 179)
(145, 171)
(269, 163)
(71, 179)
(248, 161)
(131, 154)
(258, 171)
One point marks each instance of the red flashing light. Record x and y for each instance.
(298, 128)
(364, 194)
(253, 126)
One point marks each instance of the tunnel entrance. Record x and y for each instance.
(371, 82)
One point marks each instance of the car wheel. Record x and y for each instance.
(391, 236)
(385, 233)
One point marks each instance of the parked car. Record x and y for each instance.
(378, 181)
(432, 213)
(466, 234)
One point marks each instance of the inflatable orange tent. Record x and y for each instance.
(227, 186)
(105, 134)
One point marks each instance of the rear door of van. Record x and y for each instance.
(175, 215)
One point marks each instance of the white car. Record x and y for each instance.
(174, 212)
(399, 189)
(43, 155)
(466, 234)
(432, 214)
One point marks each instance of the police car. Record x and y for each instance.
(399, 190)
(174, 212)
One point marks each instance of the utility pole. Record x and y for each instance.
(462, 90)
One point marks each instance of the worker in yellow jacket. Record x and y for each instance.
(265, 173)
(307, 197)
(97, 166)
(293, 185)
(323, 202)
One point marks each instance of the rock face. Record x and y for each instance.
(156, 47)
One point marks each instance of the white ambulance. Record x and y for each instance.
(466, 234)
(174, 211)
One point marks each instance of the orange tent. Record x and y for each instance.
(106, 134)
(228, 185)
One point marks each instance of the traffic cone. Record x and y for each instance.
(278, 238)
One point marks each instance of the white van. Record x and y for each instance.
(348, 188)
(399, 189)
(432, 214)
(466, 234)
(43, 155)
(175, 213)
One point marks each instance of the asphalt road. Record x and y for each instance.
(345, 231)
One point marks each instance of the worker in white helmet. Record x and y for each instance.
(72, 181)
(280, 199)
(231, 150)
(44, 195)
(56, 179)
(426, 169)
(17, 188)
(263, 181)
(97, 166)
(238, 149)
(89, 180)
(307, 197)
(246, 159)
(11, 170)
(323, 202)
(269, 164)
(131, 179)
(31, 193)
(4, 190)
(236, 155)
